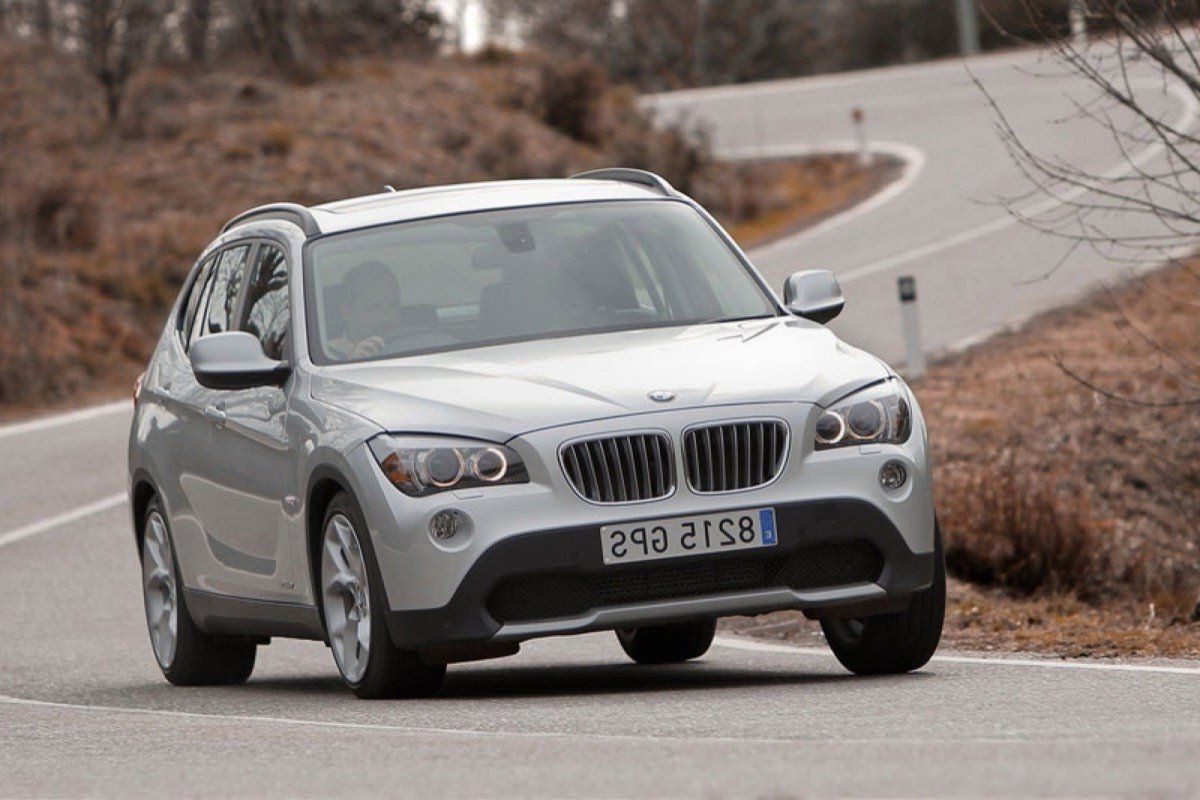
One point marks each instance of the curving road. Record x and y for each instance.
(83, 710)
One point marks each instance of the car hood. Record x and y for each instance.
(502, 391)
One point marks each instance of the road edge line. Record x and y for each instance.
(65, 418)
(74, 515)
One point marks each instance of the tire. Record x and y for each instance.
(668, 644)
(186, 655)
(890, 644)
(370, 665)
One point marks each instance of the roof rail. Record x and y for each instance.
(289, 212)
(630, 175)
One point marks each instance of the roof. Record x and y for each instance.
(377, 209)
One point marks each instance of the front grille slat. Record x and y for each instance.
(612, 450)
(732, 456)
(607, 494)
(626, 468)
(643, 460)
(631, 470)
(759, 472)
(662, 449)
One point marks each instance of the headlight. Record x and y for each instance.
(420, 466)
(876, 415)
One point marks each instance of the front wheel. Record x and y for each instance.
(668, 644)
(354, 608)
(890, 644)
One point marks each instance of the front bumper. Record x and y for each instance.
(843, 554)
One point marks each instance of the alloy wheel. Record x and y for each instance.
(346, 597)
(159, 590)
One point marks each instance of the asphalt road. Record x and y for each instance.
(978, 269)
(84, 711)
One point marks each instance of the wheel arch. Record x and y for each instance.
(325, 483)
(142, 492)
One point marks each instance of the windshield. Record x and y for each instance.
(527, 273)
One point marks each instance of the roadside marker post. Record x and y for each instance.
(915, 356)
(1077, 14)
(968, 27)
(858, 118)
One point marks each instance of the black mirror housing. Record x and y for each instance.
(234, 360)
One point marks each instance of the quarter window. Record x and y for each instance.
(223, 295)
(267, 300)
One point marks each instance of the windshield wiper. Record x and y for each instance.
(716, 320)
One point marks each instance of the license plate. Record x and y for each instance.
(688, 536)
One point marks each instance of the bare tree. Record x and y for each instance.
(273, 29)
(197, 23)
(43, 20)
(661, 44)
(116, 36)
(1147, 209)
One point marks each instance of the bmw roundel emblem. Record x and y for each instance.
(661, 396)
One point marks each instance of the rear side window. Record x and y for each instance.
(220, 307)
(267, 307)
(187, 314)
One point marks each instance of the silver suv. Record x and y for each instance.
(425, 426)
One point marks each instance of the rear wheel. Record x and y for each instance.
(668, 644)
(186, 655)
(354, 608)
(889, 644)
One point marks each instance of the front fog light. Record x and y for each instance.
(893, 475)
(447, 524)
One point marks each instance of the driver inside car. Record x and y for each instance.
(370, 311)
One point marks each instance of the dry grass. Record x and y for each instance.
(1021, 533)
(1046, 486)
(795, 194)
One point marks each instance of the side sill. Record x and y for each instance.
(223, 614)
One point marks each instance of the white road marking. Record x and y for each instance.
(34, 528)
(1015, 738)
(55, 420)
(914, 163)
(416, 730)
(737, 643)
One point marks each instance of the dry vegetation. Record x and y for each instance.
(795, 194)
(1070, 516)
(101, 221)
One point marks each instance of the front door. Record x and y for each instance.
(243, 471)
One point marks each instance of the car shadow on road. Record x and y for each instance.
(467, 681)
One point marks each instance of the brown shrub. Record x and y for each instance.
(278, 139)
(570, 97)
(62, 217)
(1012, 528)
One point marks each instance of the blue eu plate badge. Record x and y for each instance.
(766, 519)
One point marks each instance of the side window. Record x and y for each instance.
(267, 306)
(226, 282)
(187, 313)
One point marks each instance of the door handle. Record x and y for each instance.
(215, 414)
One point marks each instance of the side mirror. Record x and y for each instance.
(813, 294)
(234, 360)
